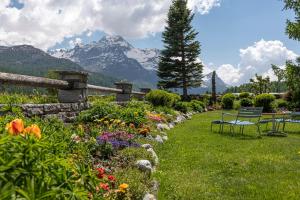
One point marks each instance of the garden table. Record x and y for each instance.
(275, 131)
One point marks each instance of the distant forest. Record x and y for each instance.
(274, 87)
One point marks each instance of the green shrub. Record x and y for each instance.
(236, 105)
(207, 99)
(228, 100)
(266, 101)
(138, 181)
(282, 103)
(244, 95)
(246, 102)
(183, 106)
(99, 110)
(162, 98)
(139, 104)
(137, 116)
(197, 106)
(165, 110)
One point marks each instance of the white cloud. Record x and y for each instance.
(43, 23)
(73, 43)
(256, 59)
(203, 6)
(229, 74)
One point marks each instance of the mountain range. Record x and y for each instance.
(114, 56)
(28, 60)
(108, 60)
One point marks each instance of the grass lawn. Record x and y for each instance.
(198, 164)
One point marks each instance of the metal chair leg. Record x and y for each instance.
(258, 129)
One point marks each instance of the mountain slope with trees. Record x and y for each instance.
(27, 60)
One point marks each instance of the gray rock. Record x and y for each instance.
(159, 139)
(147, 146)
(65, 107)
(149, 197)
(51, 108)
(154, 155)
(165, 138)
(35, 112)
(144, 165)
(149, 137)
(154, 187)
(75, 107)
(171, 125)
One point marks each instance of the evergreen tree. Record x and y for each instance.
(213, 84)
(178, 66)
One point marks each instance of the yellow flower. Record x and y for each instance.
(15, 127)
(123, 124)
(123, 186)
(80, 127)
(106, 122)
(34, 130)
(135, 113)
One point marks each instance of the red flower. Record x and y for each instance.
(101, 172)
(111, 178)
(104, 186)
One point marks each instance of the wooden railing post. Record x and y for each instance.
(77, 90)
(125, 95)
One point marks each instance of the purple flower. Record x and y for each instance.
(118, 140)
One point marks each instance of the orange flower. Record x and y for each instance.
(143, 131)
(15, 127)
(34, 130)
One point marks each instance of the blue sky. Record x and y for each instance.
(239, 37)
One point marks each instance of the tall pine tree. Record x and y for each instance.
(178, 66)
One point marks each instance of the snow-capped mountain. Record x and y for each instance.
(114, 56)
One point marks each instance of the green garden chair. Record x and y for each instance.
(294, 119)
(247, 116)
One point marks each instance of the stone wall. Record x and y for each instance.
(67, 112)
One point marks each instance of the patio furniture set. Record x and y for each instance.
(250, 116)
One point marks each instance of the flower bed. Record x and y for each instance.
(108, 154)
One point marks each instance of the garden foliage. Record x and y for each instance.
(227, 101)
(162, 98)
(266, 101)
